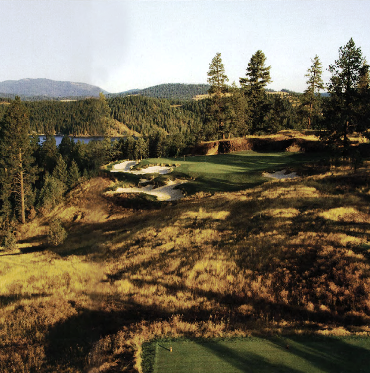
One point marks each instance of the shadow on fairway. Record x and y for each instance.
(329, 354)
(247, 362)
(294, 354)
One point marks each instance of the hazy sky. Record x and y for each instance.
(120, 45)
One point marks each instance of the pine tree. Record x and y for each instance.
(216, 76)
(258, 75)
(141, 149)
(217, 110)
(51, 193)
(240, 115)
(17, 173)
(73, 175)
(311, 95)
(254, 89)
(347, 108)
(65, 148)
(60, 171)
(48, 154)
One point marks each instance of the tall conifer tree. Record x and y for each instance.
(60, 171)
(347, 108)
(16, 171)
(254, 88)
(217, 77)
(257, 76)
(217, 110)
(314, 85)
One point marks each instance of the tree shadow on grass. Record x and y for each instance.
(290, 354)
(329, 354)
(246, 361)
(70, 341)
(6, 300)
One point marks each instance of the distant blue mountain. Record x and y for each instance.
(48, 88)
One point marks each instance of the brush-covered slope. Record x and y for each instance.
(287, 256)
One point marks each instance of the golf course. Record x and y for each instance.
(224, 172)
(243, 273)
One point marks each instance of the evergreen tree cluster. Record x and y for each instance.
(87, 117)
(146, 115)
(35, 176)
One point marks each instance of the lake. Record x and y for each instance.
(87, 139)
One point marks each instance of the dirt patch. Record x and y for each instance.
(280, 175)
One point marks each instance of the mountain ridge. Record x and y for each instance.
(179, 91)
(48, 88)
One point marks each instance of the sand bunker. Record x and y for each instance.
(164, 193)
(280, 175)
(127, 167)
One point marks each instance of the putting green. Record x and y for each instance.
(263, 355)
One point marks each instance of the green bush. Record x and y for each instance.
(51, 193)
(57, 234)
(9, 241)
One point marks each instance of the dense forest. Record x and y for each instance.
(31, 173)
(170, 91)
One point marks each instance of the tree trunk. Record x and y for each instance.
(309, 117)
(23, 214)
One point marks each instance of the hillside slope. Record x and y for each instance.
(175, 91)
(287, 256)
(48, 88)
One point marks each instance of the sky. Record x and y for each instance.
(126, 44)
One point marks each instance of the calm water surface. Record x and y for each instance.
(58, 139)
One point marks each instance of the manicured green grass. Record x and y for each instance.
(230, 172)
(304, 354)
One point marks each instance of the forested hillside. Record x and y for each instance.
(92, 116)
(146, 115)
(176, 91)
(82, 117)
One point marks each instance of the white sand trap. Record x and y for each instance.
(164, 193)
(153, 170)
(124, 166)
(281, 175)
(127, 167)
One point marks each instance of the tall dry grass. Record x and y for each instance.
(288, 256)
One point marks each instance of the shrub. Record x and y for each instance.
(57, 234)
(9, 240)
(51, 193)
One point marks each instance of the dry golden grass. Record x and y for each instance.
(117, 129)
(288, 256)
